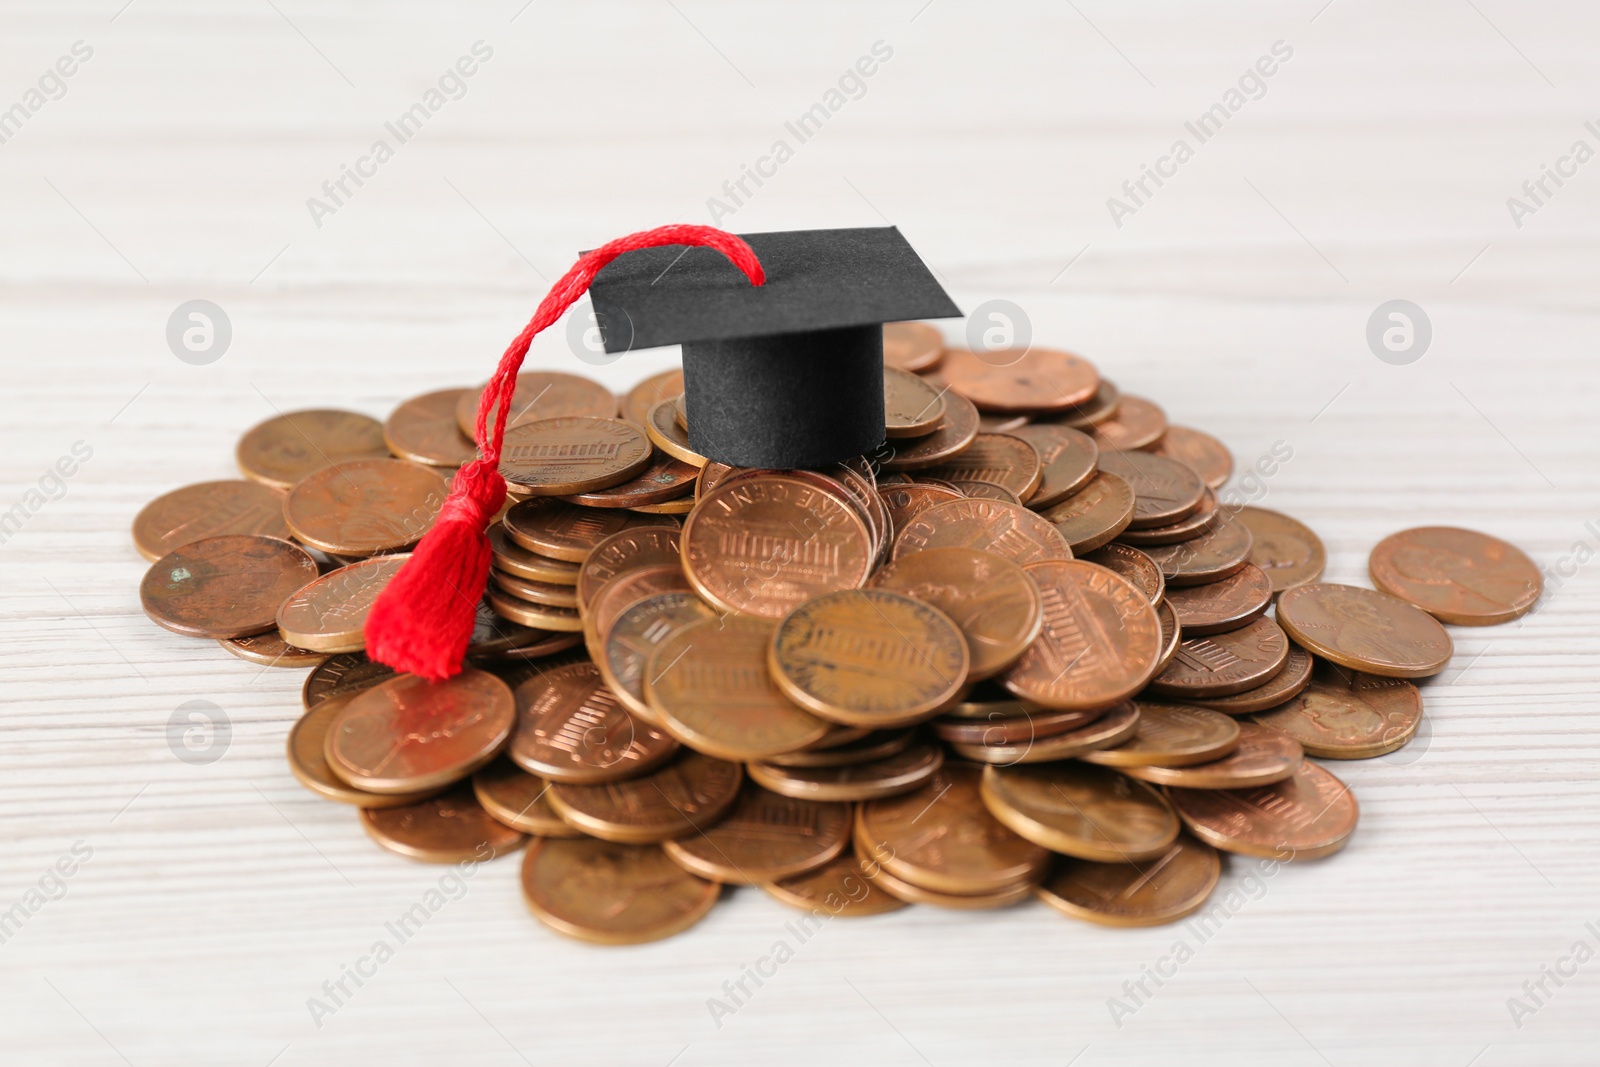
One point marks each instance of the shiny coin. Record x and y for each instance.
(209, 509)
(309, 762)
(364, 507)
(1262, 757)
(628, 550)
(1172, 735)
(571, 728)
(1002, 423)
(519, 800)
(1457, 576)
(407, 735)
(665, 482)
(911, 407)
(566, 531)
(1006, 530)
(899, 773)
(1138, 423)
(612, 894)
(665, 433)
(271, 650)
(1109, 729)
(1294, 677)
(1164, 490)
(283, 450)
(906, 502)
(1068, 458)
(764, 837)
(327, 615)
(1364, 630)
(1206, 455)
(1305, 816)
(1217, 607)
(224, 587)
(996, 605)
(1288, 550)
(986, 491)
(911, 893)
(574, 454)
(1202, 520)
(1022, 381)
(871, 745)
(912, 346)
(998, 458)
(1171, 634)
(451, 828)
(349, 672)
(423, 430)
(514, 559)
(529, 613)
(1223, 664)
(1083, 811)
(542, 395)
(621, 593)
(954, 434)
(681, 506)
(1210, 557)
(841, 886)
(1151, 893)
(1095, 514)
(1132, 564)
(550, 594)
(1097, 409)
(1028, 726)
(635, 634)
(1348, 715)
(647, 394)
(690, 793)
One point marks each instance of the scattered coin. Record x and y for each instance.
(1105, 731)
(1164, 490)
(1223, 664)
(1171, 635)
(899, 773)
(635, 634)
(996, 605)
(954, 434)
(1365, 630)
(283, 450)
(1172, 735)
(1305, 816)
(423, 430)
(514, 559)
(519, 800)
(664, 432)
(1262, 757)
(209, 509)
(1202, 520)
(620, 593)
(912, 407)
(1294, 677)
(998, 458)
(647, 394)
(365, 507)
(1095, 514)
(571, 728)
(452, 828)
(1137, 423)
(912, 346)
(327, 614)
(610, 893)
(1008, 531)
(627, 550)
(906, 502)
(841, 886)
(1345, 714)
(406, 735)
(763, 838)
(1068, 458)
(1229, 604)
(1037, 379)
(1208, 456)
(986, 491)
(1150, 893)
(271, 650)
(1079, 810)
(308, 761)
(1457, 576)
(689, 793)
(1132, 564)
(1097, 409)
(1211, 557)
(349, 672)
(542, 395)
(1287, 549)
(224, 587)
(573, 454)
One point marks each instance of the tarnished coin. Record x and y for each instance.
(911, 407)
(709, 686)
(625, 551)
(841, 886)
(1095, 514)
(664, 432)
(365, 507)
(530, 613)
(911, 893)
(1457, 576)
(1208, 456)
(1105, 731)
(1164, 490)
(890, 776)
(1229, 604)
(550, 594)
(1294, 677)
(1083, 811)
(541, 394)
(1031, 725)
(224, 587)
(763, 545)
(1068, 458)
(912, 346)
(407, 735)
(308, 761)
(870, 745)
(954, 434)
(1132, 564)
(635, 634)
(571, 728)
(519, 800)
(1008, 531)
(566, 531)
(1210, 557)
(764, 837)
(618, 595)
(612, 894)
(1288, 550)
(271, 650)
(690, 793)
(986, 491)
(906, 502)
(1345, 714)
(573, 454)
(1100, 644)
(209, 509)
(514, 559)
(1157, 891)
(666, 482)
(647, 394)
(1365, 630)
(996, 605)
(284, 449)
(350, 672)
(1022, 381)
(1224, 664)
(1138, 423)
(1097, 409)
(998, 458)
(1172, 735)
(1261, 757)
(423, 430)
(1307, 815)
(1202, 520)
(327, 614)
(450, 828)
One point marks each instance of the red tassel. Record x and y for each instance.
(423, 620)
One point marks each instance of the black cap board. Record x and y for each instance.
(786, 374)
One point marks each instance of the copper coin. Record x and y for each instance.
(612, 894)
(841, 484)
(624, 551)
(452, 828)
(406, 735)
(573, 454)
(1305, 816)
(327, 614)
(955, 434)
(1223, 664)
(529, 613)
(1138, 423)
(1294, 677)
(283, 450)
(1457, 576)
(549, 594)
(690, 793)
(350, 672)
(209, 509)
(666, 481)
(1012, 729)
(665, 433)
(647, 394)
(898, 773)
(566, 531)
(1097, 409)
(906, 502)
(1023, 381)
(1133, 565)
(271, 650)
(841, 885)
(1171, 634)
(1157, 891)
(423, 430)
(680, 410)
(870, 745)
(628, 589)
(633, 636)
(541, 394)
(1006, 530)
(224, 587)
(764, 837)
(1208, 456)
(1172, 735)
(1095, 514)
(365, 507)
(1288, 550)
(1210, 557)
(1229, 604)
(1000, 458)
(988, 700)
(1068, 458)
(912, 407)
(1365, 630)
(571, 728)
(992, 600)
(1002, 423)
(514, 559)
(763, 545)
(711, 475)
(1164, 490)
(519, 800)
(912, 346)
(1100, 644)
(308, 761)
(681, 506)
(911, 893)
(1202, 520)
(1348, 715)
(1104, 731)
(1078, 810)
(986, 491)
(1261, 757)
(942, 837)
(868, 657)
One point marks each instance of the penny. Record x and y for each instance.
(349, 672)
(327, 615)
(1132, 564)
(1348, 715)
(647, 394)
(1457, 576)
(612, 894)
(1206, 455)
(283, 450)
(954, 435)
(764, 837)
(209, 509)
(869, 657)
(995, 604)
(271, 650)
(1294, 677)
(709, 686)
(841, 886)
(840, 483)
(452, 828)
(512, 558)
(365, 507)
(1229, 604)
(1138, 423)
(764, 545)
(942, 837)
(912, 407)
(571, 728)
(1262, 757)
(573, 454)
(1172, 735)
(681, 506)
(664, 432)
(1100, 643)
(1095, 514)
(550, 594)
(1157, 891)
(1104, 731)
(1068, 458)
(899, 773)
(541, 395)
(634, 634)
(912, 346)
(519, 800)
(988, 700)
(1305, 816)
(906, 502)
(1097, 409)
(1008, 531)
(999, 458)
(665, 481)
(1002, 423)
(680, 410)
(911, 893)
(1171, 634)
(624, 551)
(566, 531)
(1288, 550)
(224, 587)
(1210, 557)
(625, 590)
(406, 735)
(308, 761)
(1077, 810)
(690, 793)
(1202, 520)
(1223, 664)
(1365, 630)
(711, 476)
(1020, 380)
(423, 430)
(1164, 490)
(529, 613)
(871, 745)
(1011, 729)
(986, 491)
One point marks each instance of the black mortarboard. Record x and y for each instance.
(786, 374)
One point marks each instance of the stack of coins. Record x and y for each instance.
(1024, 651)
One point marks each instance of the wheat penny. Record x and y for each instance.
(841, 886)
(1261, 757)
(1226, 663)
(1095, 514)
(1294, 677)
(1365, 630)
(1105, 731)
(519, 800)
(890, 775)
(1020, 380)
(541, 395)
(327, 615)
(1083, 811)
(209, 509)
(634, 634)
(571, 728)
(1008, 531)
(667, 434)
(1206, 455)
(1133, 565)
(573, 454)
(1457, 576)
(1172, 735)
(610, 893)
(283, 450)
(997, 607)
(271, 650)
(365, 507)
(1137, 423)
(1211, 557)
(224, 587)
(912, 407)
(1162, 890)
(648, 393)
(953, 435)
(625, 551)
(1288, 550)
(423, 430)
(1345, 714)
(407, 735)
(1228, 604)
(764, 837)
(912, 346)
(1305, 816)
(691, 792)
(450, 828)
(308, 761)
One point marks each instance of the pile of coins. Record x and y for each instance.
(1022, 651)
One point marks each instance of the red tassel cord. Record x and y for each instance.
(423, 620)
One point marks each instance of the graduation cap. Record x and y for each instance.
(788, 373)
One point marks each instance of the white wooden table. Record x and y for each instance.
(1376, 164)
